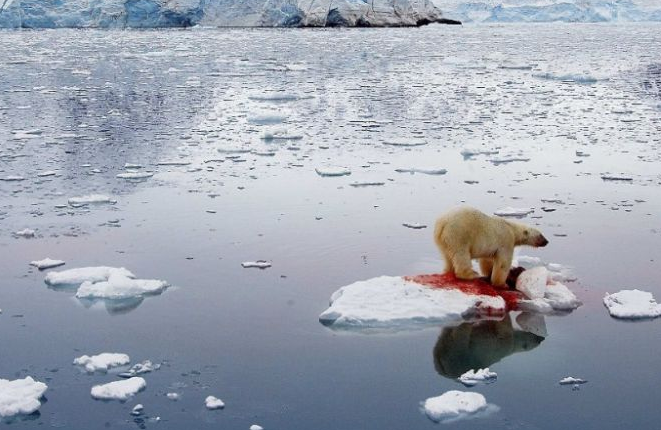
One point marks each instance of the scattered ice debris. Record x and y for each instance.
(367, 184)
(617, 178)
(79, 275)
(405, 143)
(26, 233)
(457, 405)
(473, 377)
(140, 369)
(259, 264)
(135, 175)
(332, 171)
(137, 409)
(20, 396)
(413, 170)
(514, 212)
(12, 178)
(570, 380)
(102, 362)
(119, 286)
(46, 263)
(172, 396)
(256, 427)
(414, 225)
(212, 403)
(119, 390)
(90, 199)
(632, 304)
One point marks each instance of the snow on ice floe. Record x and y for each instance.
(514, 212)
(474, 377)
(84, 274)
(331, 171)
(119, 390)
(47, 263)
(632, 304)
(457, 405)
(101, 362)
(20, 396)
(90, 199)
(401, 303)
(212, 403)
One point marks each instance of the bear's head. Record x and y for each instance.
(526, 235)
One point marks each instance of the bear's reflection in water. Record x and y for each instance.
(478, 345)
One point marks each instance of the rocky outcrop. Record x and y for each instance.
(220, 13)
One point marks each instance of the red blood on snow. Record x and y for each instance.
(477, 287)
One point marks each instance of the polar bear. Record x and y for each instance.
(465, 233)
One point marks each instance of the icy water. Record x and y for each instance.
(562, 105)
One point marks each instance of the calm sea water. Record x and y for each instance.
(100, 99)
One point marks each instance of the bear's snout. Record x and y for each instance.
(541, 241)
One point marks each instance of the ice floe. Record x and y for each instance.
(90, 199)
(622, 178)
(137, 409)
(570, 380)
(26, 233)
(172, 396)
(140, 369)
(119, 390)
(102, 362)
(46, 263)
(514, 212)
(212, 402)
(135, 175)
(12, 178)
(120, 286)
(84, 274)
(20, 396)
(424, 171)
(474, 377)
(414, 225)
(256, 427)
(332, 171)
(457, 405)
(366, 184)
(632, 304)
(259, 264)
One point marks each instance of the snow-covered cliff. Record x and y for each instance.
(184, 13)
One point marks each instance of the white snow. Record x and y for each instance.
(392, 301)
(632, 304)
(102, 362)
(46, 263)
(120, 286)
(259, 264)
(84, 274)
(119, 390)
(570, 380)
(332, 171)
(473, 377)
(212, 402)
(20, 396)
(90, 199)
(457, 405)
(514, 212)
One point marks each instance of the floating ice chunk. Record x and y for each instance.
(90, 199)
(47, 173)
(46, 263)
(576, 78)
(468, 153)
(212, 403)
(332, 171)
(102, 362)
(12, 178)
(473, 377)
(173, 396)
(424, 171)
(280, 134)
(234, 150)
(132, 166)
(259, 264)
(414, 225)
(140, 369)
(405, 143)
(394, 302)
(256, 427)
(457, 405)
(624, 178)
(514, 212)
(570, 380)
(20, 396)
(366, 184)
(533, 282)
(173, 163)
(137, 409)
(119, 286)
(505, 160)
(26, 233)
(119, 390)
(560, 297)
(135, 175)
(84, 274)
(632, 304)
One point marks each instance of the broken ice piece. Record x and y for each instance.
(632, 304)
(570, 380)
(102, 362)
(473, 377)
(332, 171)
(514, 212)
(139, 369)
(532, 282)
(46, 263)
(137, 409)
(414, 225)
(20, 396)
(27, 233)
(456, 405)
(119, 390)
(212, 403)
(259, 264)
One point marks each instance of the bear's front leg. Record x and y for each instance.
(501, 268)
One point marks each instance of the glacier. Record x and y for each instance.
(507, 11)
(217, 13)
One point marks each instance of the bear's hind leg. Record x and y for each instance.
(463, 269)
(486, 266)
(501, 268)
(449, 268)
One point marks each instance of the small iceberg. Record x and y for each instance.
(84, 274)
(212, 403)
(119, 390)
(101, 362)
(457, 405)
(570, 380)
(20, 396)
(26, 233)
(474, 377)
(259, 264)
(632, 304)
(47, 263)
